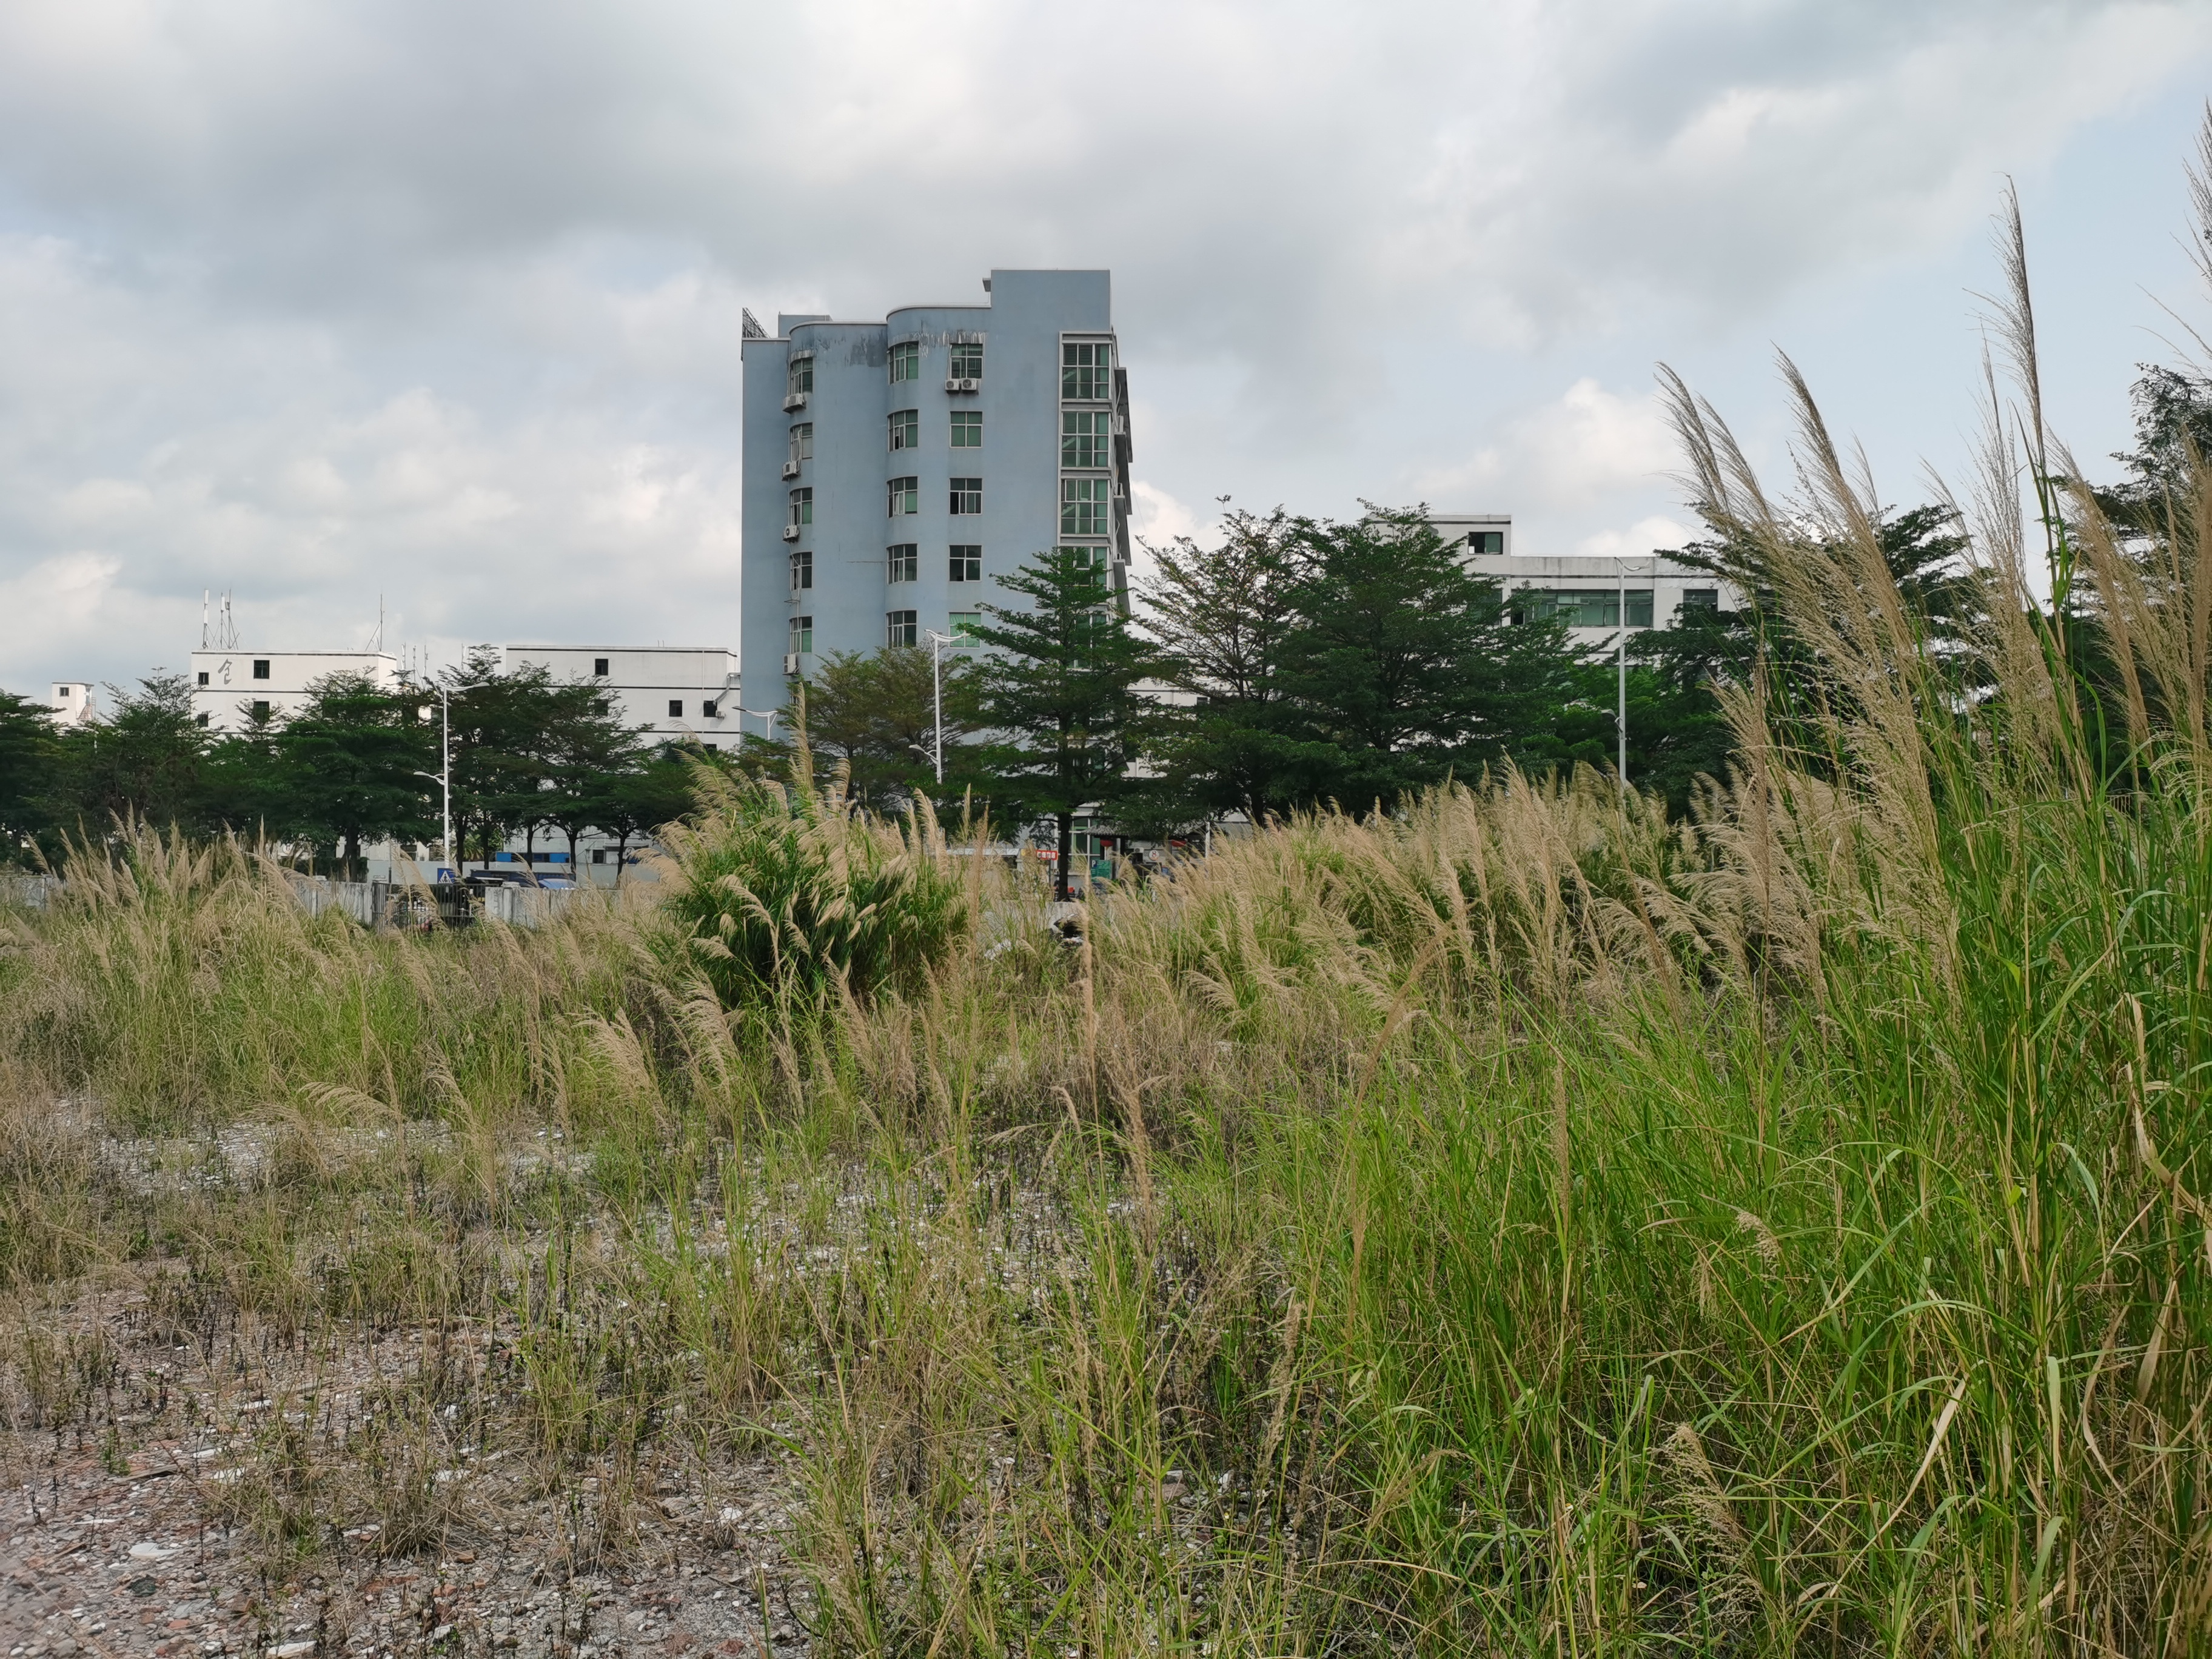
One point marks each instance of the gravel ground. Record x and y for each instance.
(130, 1540)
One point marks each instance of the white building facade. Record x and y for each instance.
(672, 691)
(1592, 594)
(232, 688)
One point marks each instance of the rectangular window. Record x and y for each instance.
(967, 564)
(708, 710)
(802, 506)
(905, 563)
(905, 496)
(1583, 607)
(1086, 506)
(906, 429)
(906, 361)
(600, 667)
(261, 711)
(1086, 438)
(802, 441)
(800, 377)
(1086, 371)
(261, 668)
(964, 625)
(901, 627)
(1094, 558)
(967, 361)
(802, 570)
(204, 679)
(967, 495)
(802, 635)
(966, 428)
(1485, 541)
(675, 708)
(1701, 599)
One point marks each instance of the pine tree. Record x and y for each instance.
(1057, 693)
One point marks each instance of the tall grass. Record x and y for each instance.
(1522, 1224)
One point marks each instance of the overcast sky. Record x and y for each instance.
(321, 299)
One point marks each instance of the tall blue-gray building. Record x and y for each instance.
(892, 469)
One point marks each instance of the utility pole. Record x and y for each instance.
(1620, 715)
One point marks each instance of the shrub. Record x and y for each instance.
(784, 894)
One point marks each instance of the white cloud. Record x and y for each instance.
(318, 302)
(1656, 534)
(1587, 444)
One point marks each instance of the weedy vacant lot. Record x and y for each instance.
(1520, 1223)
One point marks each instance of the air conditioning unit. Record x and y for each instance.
(791, 469)
(971, 383)
(791, 532)
(796, 400)
(790, 662)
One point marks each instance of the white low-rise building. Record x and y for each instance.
(73, 703)
(672, 692)
(1587, 592)
(230, 689)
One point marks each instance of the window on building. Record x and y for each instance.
(802, 441)
(1086, 438)
(1485, 541)
(1092, 558)
(967, 495)
(1583, 607)
(906, 429)
(906, 361)
(261, 668)
(1701, 599)
(966, 428)
(1086, 370)
(600, 667)
(802, 570)
(204, 679)
(261, 711)
(199, 719)
(967, 361)
(799, 376)
(802, 506)
(962, 625)
(905, 496)
(1086, 506)
(901, 627)
(802, 635)
(905, 563)
(710, 710)
(967, 563)
(675, 708)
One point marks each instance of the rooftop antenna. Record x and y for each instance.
(376, 640)
(748, 325)
(226, 627)
(206, 595)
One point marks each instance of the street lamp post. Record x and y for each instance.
(443, 777)
(1620, 714)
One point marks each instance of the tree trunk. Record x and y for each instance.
(1066, 825)
(621, 850)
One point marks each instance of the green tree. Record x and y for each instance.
(1057, 693)
(640, 801)
(499, 743)
(591, 758)
(30, 758)
(1223, 617)
(350, 760)
(1402, 667)
(875, 714)
(146, 760)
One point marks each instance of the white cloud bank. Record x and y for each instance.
(439, 302)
